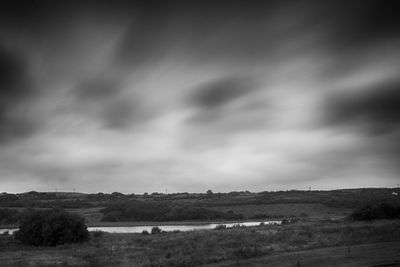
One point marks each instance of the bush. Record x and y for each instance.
(98, 233)
(155, 230)
(220, 227)
(376, 212)
(51, 228)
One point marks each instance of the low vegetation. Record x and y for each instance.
(348, 198)
(199, 248)
(8, 216)
(376, 212)
(162, 211)
(51, 228)
(312, 220)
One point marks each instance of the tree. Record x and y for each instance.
(376, 212)
(155, 230)
(51, 228)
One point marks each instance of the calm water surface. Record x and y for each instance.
(167, 228)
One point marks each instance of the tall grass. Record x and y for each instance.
(204, 247)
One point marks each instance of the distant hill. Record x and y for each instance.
(349, 198)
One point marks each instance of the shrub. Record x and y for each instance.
(220, 227)
(376, 212)
(98, 233)
(155, 230)
(51, 228)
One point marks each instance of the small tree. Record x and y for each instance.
(155, 230)
(51, 228)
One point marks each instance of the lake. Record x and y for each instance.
(166, 228)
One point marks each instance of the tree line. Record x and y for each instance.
(163, 211)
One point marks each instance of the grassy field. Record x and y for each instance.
(307, 205)
(320, 237)
(304, 211)
(366, 255)
(318, 244)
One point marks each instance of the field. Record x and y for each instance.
(367, 255)
(307, 205)
(319, 235)
(304, 211)
(318, 244)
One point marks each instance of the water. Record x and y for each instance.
(166, 228)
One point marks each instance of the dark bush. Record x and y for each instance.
(97, 234)
(8, 216)
(220, 227)
(155, 230)
(51, 228)
(144, 232)
(376, 212)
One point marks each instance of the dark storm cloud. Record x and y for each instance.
(204, 31)
(12, 75)
(357, 24)
(237, 32)
(228, 104)
(375, 110)
(104, 98)
(15, 92)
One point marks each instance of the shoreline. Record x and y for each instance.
(156, 223)
(167, 223)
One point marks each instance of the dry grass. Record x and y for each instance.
(202, 247)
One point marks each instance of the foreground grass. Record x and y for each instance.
(366, 255)
(195, 248)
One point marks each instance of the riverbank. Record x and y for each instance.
(156, 223)
(168, 226)
(166, 223)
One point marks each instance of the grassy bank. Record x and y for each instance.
(201, 247)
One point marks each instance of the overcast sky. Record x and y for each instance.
(189, 96)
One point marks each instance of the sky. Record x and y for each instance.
(186, 96)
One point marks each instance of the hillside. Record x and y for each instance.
(117, 207)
